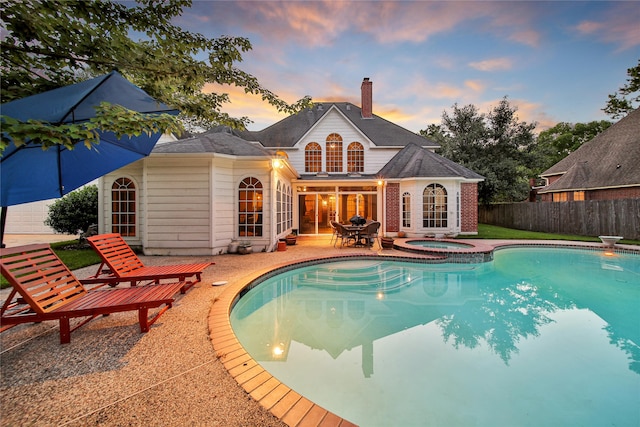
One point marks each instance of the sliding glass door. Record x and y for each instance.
(316, 212)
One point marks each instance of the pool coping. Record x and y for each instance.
(283, 402)
(474, 252)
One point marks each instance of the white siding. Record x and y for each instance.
(259, 169)
(334, 122)
(132, 171)
(224, 203)
(178, 206)
(28, 218)
(416, 188)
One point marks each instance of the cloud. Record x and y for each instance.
(495, 64)
(526, 37)
(518, 22)
(241, 104)
(618, 26)
(475, 85)
(325, 22)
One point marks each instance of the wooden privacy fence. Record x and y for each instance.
(584, 218)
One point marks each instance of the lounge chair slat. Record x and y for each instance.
(124, 264)
(53, 293)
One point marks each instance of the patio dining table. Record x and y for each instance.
(356, 231)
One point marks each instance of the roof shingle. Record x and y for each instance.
(416, 161)
(610, 159)
(287, 132)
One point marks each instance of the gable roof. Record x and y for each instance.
(416, 161)
(287, 132)
(219, 140)
(609, 160)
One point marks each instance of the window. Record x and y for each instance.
(355, 157)
(123, 207)
(313, 158)
(434, 206)
(284, 217)
(250, 207)
(289, 208)
(406, 210)
(334, 153)
(559, 197)
(279, 208)
(578, 195)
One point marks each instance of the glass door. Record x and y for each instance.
(315, 213)
(364, 205)
(327, 212)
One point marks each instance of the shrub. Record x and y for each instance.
(75, 212)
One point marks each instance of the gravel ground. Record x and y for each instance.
(112, 375)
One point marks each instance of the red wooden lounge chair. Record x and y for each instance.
(45, 289)
(123, 265)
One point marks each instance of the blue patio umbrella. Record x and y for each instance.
(28, 173)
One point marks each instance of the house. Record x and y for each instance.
(331, 161)
(604, 168)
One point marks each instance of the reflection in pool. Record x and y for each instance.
(536, 337)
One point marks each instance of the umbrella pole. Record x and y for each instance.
(3, 220)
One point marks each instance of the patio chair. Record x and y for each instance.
(334, 231)
(123, 265)
(370, 233)
(45, 289)
(343, 235)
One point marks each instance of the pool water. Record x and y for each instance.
(536, 337)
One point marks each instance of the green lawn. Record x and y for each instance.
(486, 231)
(73, 258)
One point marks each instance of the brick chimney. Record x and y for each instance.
(367, 101)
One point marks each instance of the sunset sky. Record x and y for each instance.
(555, 61)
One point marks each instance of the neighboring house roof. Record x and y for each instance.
(219, 140)
(609, 160)
(415, 161)
(287, 132)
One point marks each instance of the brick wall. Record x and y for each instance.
(605, 194)
(469, 207)
(392, 205)
(614, 194)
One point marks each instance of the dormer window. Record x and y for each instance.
(312, 157)
(355, 158)
(334, 153)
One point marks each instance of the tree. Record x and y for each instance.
(556, 143)
(48, 44)
(495, 145)
(622, 102)
(74, 212)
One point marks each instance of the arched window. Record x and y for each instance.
(313, 157)
(280, 211)
(123, 207)
(334, 153)
(355, 157)
(406, 210)
(289, 208)
(250, 207)
(434, 206)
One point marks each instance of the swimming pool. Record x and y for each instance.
(538, 336)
